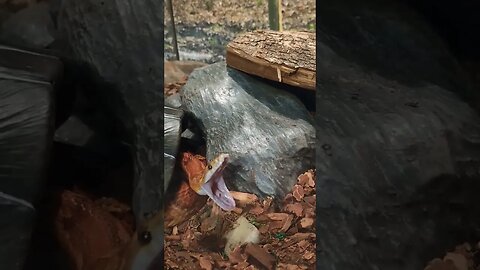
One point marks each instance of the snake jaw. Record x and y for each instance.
(214, 185)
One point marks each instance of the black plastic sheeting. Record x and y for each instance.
(26, 131)
(172, 135)
(267, 132)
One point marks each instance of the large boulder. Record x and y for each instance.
(398, 150)
(32, 26)
(267, 132)
(122, 43)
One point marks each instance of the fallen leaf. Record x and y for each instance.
(438, 264)
(306, 179)
(303, 244)
(257, 210)
(244, 198)
(295, 208)
(302, 236)
(306, 222)
(208, 224)
(242, 265)
(237, 210)
(308, 255)
(237, 255)
(277, 216)
(205, 263)
(267, 203)
(298, 192)
(458, 260)
(311, 199)
(283, 266)
(309, 212)
(287, 223)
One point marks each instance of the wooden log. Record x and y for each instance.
(287, 57)
(275, 15)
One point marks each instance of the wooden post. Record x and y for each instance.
(275, 14)
(173, 30)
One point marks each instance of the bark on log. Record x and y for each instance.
(287, 57)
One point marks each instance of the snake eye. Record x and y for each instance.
(209, 167)
(144, 237)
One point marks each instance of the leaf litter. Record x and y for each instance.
(287, 238)
(463, 257)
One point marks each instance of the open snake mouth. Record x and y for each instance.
(215, 186)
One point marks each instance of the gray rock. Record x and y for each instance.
(267, 132)
(122, 41)
(173, 101)
(74, 131)
(398, 151)
(32, 25)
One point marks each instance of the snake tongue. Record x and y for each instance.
(219, 193)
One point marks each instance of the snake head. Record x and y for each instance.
(212, 184)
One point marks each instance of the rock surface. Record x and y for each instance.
(31, 26)
(267, 132)
(122, 42)
(398, 151)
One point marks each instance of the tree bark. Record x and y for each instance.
(287, 57)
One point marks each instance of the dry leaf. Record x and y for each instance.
(308, 255)
(205, 263)
(244, 198)
(257, 210)
(298, 192)
(306, 222)
(237, 255)
(295, 208)
(287, 223)
(458, 260)
(277, 216)
(438, 264)
(208, 224)
(261, 255)
(237, 210)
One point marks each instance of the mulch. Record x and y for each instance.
(462, 257)
(287, 233)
